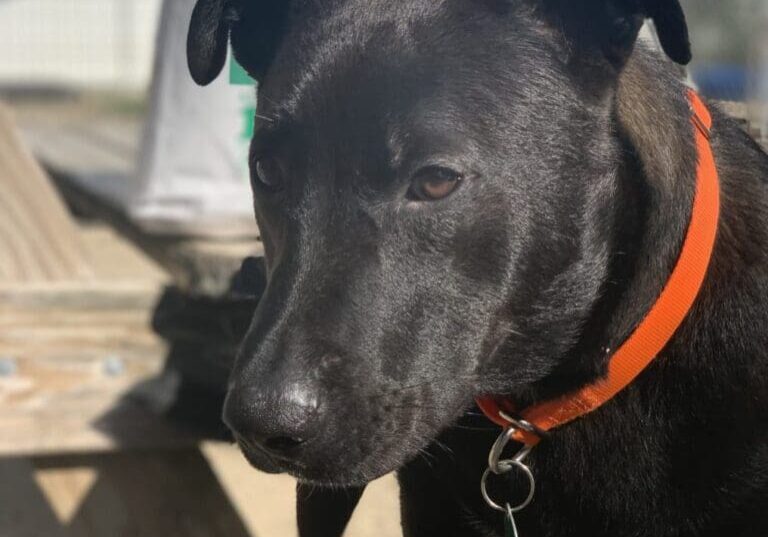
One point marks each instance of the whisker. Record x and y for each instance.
(428, 457)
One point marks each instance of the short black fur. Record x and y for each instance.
(383, 317)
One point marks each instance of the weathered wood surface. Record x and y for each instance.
(75, 334)
(141, 494)
(46, 255)
(76, 358)
(83, 379)
(39, 242)
(84, 149)
(119, 275)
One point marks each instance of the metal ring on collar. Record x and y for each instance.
(509, 465)
(494, 456)
(523, 425)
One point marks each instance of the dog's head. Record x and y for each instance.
(434, 183)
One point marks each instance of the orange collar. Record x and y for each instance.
(658, 327)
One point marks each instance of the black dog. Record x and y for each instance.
(463, 197)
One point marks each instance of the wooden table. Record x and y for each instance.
(86, 446)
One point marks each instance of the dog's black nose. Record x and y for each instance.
(275, 421)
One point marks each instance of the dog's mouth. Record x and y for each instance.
(261, 459)
(315, 473)
(354, 456)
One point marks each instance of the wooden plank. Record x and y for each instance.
(83, 380)
(75, 357)
(46, 256)
(141, 494)
(77, 350)
(38, 239)
(121, 276)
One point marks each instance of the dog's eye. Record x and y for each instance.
(434, 183)
(266, 174)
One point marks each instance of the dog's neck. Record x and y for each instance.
(657, 177)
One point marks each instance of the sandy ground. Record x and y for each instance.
(266, 503)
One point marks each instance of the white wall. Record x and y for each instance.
(82, 43)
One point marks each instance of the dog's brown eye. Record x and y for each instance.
(434, 183)
(266, 173)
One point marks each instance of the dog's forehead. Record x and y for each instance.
(340, 35)
(360, 18)
(340, 45)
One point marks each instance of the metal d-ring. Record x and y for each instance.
(510, 464)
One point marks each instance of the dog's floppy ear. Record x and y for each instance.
(207, 40)
(613, 25)
(669, 18)
(254, 27)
